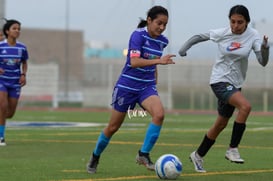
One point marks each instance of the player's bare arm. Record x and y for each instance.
(140, 62)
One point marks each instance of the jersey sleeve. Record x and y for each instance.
(135, 44)
(262, 53)
(25, 54)
(216, 34)
(192, 41)
(257, 43)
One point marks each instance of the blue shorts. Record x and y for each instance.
(123, 100)
(12, 90)
(223, 91)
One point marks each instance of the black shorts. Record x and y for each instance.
(223, 91)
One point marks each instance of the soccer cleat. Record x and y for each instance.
(144, 159)
(92, 165)
(197, 162)
(233, 155)
(2, 142)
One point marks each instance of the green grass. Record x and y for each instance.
(42, 154)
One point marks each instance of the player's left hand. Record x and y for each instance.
(265, 41)
(22, 80)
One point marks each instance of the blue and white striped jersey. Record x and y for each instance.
(11, 58)
(137, 79)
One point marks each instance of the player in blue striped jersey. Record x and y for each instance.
(137, 85)
(13, 68)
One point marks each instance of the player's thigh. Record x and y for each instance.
(116, 120)
(153, 106)
(3, 99)
(3, 106)
(238, 100)
(12, 105)
(117, 117)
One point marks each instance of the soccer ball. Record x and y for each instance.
(168, 166)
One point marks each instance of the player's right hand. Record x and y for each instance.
(167, 59)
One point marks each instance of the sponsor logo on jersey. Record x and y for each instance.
(150, 56)
(234, 46)
(11, 61)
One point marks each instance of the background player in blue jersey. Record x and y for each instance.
(13, 68)
(228, 74)
(137, 84)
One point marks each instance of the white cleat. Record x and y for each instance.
(197, 162)
(233, 155)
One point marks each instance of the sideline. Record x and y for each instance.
(52, 124)
(173, 111)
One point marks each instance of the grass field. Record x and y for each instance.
(41, 153)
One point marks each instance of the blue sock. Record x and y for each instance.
(152, 135)
(101, 144)
(2, 131)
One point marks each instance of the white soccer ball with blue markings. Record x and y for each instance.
(168, 166)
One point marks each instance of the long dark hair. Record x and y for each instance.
(153, 13)
(241, 10)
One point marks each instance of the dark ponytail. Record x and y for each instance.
(142, 23)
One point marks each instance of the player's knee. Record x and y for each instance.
(112, 129)
(10, 113)
(158, 119)
(159, 116)
(246, 108)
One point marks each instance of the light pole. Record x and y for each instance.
(169, 49)
(67, 57)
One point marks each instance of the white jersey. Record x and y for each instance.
(233, 52)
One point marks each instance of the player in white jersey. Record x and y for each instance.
(228, 74)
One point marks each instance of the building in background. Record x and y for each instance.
(59, 47)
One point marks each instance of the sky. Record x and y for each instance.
(112, 21)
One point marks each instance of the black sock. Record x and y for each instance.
(205, 146)
(237, 134)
